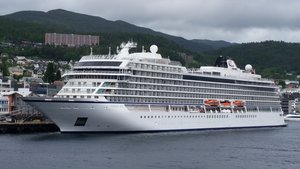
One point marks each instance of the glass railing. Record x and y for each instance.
(98, 71)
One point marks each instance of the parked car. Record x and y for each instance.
(2, 118)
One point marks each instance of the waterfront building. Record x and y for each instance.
(3, 105)
(71, 40)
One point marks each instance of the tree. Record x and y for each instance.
(65, 67)
(58, 75)
(4, 69)
(17, 77)
(49, 75)
(26, 73)
(282, 83)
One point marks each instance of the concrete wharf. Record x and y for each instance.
(27, 127)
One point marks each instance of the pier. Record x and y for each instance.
(25, 119)
(27, 127)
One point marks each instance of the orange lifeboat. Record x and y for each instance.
(212, 102)
(239, 103)
(225, 103)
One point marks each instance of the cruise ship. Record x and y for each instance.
(144, 92)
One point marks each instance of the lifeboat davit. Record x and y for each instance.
(212, 102)
(225, 103)
(239, 103)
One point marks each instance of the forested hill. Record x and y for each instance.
(73, 22)
(18, 31)
(270, 58)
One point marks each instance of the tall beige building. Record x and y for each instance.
(71, 40)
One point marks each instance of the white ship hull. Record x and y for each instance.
(292, 117)
(113, 117)
(143, 91)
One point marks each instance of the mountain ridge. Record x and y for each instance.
(83, 23)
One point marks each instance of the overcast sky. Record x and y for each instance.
(230, 20)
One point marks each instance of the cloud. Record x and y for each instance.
(231, 20)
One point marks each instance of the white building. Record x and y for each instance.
(3, 105)
(5, 85)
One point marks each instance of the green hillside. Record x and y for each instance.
(18, 31)
(75, 21)
(72, 22)
(270, 58)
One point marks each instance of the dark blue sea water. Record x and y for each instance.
(275, 148)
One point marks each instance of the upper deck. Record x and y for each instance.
(224, 68)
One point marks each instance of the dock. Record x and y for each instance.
(27, 127)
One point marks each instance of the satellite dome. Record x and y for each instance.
(248, 67)
(153, 48)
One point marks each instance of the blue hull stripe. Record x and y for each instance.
(174, 130)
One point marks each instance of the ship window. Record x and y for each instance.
(207, 73)
(99, 63)
(81, 121)
(216, 73)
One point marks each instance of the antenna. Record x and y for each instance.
(117, 49)
(109, 51)
(91, 51)
(143, 49)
